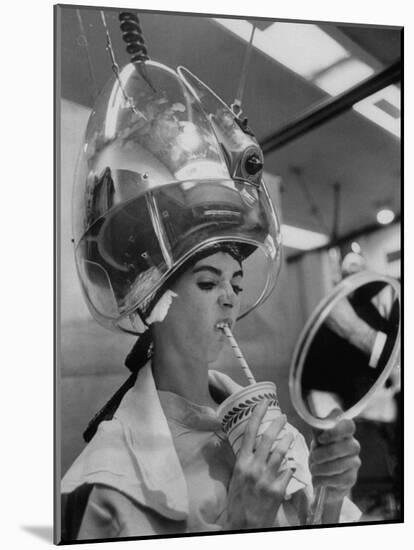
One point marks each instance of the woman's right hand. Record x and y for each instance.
(257, 488)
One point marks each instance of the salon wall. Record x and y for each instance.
(90, 358)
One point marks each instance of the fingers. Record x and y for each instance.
(279, 452)
(250, 433)
(269, 437)
(332, 451)
(279, 486)
(335, 467)
(335, 464)
(274, 486)
(345, 428)
(335, 413)
(341, 482)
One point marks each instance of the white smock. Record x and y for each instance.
(162, 465)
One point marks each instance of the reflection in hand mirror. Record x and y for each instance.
(347, 349)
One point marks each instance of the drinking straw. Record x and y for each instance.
(237, 352)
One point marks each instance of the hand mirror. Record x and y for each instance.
(347, 349)
(346, 352)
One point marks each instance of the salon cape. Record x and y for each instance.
(133, 456)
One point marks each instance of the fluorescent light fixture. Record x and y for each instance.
(370, 108)
(240, 27)
(302, 239)
(343, 76)
(385, 216)
(305, 49)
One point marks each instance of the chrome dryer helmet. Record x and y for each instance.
(165, 172)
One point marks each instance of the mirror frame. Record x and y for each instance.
(317, 318)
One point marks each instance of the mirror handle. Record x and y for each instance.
(315, 513)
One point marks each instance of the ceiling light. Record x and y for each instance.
(241, 27)
(304, 48)
(343, 76)
(310, 52)
(302, 239)
(373, 108)
(385, 216)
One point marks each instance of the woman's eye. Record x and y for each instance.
(206, 285)
(237, 289)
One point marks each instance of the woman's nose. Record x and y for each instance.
(227, 296)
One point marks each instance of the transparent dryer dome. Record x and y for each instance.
(156, 183)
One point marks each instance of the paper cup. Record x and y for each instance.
(235, 411)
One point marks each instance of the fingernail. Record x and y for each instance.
(263, 403)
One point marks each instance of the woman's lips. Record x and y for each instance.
(220, 324)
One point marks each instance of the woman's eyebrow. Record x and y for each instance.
(207, 268)
(215, 270)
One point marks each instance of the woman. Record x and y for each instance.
(205, 488)
(174, 222)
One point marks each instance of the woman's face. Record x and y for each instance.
(209, 293)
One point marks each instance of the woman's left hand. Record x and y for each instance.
(334, 460)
